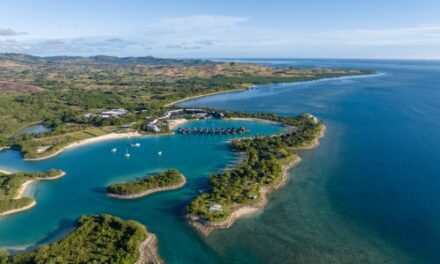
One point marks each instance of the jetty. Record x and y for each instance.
(212, 131)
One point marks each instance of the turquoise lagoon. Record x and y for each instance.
(90, 168)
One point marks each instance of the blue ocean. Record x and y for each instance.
(370, 193)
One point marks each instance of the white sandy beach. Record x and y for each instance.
(173, 123)
(5, 171)
(27, 207)
(89, 141)
(24, 188)
(4, 148)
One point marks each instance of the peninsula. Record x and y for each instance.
(163, 181)
(96, 239)
(13, 186)
(243, 190)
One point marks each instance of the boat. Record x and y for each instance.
(137, 145)
(127, 155)
(114, 150)
(159, 153)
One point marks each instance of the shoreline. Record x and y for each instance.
(136, 134)
(24, 187)
(253, 119)
(315, 143)
(22, 190)
(149, 252)
(18, 210)
(111, 136)
(88, 141)
(202, 95)
(207, 227)
(148, 192)
(173, 123)
(5, 148)
(364, 75)
(5, 171)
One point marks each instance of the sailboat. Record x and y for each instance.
(127, 155)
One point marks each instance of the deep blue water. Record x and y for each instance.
(369, 194)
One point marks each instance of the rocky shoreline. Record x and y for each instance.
(149, 252)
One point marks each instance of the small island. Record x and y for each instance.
(243, 190)
(96, 239)
(163, 181)
(13, 185)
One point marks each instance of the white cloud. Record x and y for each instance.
(9, 32)
(217, 36)
(74, 46)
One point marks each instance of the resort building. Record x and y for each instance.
(153, 127)
(201, 115)
(114, 113)
(216, 208)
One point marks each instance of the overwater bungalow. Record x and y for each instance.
(212, 131)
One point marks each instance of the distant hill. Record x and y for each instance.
(98, 60)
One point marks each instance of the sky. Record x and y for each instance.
(386, 29)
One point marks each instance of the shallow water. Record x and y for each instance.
(368, 194)
(90, 168)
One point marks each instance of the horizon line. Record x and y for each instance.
(225, 57)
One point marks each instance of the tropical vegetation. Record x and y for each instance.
(67, 94)
(261, 167)
(168, 178)
(10, 185)
(96, 239)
